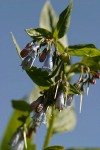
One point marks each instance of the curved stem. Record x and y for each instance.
(50, 130)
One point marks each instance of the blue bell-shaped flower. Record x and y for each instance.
(59, 104)
(17, 141)
(48, 64)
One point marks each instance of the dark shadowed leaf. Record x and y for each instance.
(39, 77)
(55, 148)
(63, 22)
(38, 33)
(83, 50)
(21, 105)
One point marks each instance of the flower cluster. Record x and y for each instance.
(60, 94)
(34, 49)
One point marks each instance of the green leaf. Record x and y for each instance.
(83, 50)
(38, 33)
(48, 14)
(21, 105)
(93, 63)
(39, 77)
(13, 124)
(63, 22)
(55, 148)
(73, 90)
(16, 45)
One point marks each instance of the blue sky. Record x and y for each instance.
(18, 15)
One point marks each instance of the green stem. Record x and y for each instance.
(50, 130)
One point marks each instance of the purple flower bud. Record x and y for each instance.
(27, 63)
(48, 64)
(59, 104)
(37, 105)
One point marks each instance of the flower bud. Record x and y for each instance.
(59, 104)
(37, 105)
(43, 55)
(48, 64)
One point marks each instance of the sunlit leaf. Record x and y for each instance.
(63, 22)
(11, 128)
(16, 45)
(55, 148)
(36, 33)
(73, 90)
(83, 50)
(48, 14)
(93, 63)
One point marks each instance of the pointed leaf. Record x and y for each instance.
(37, 33)
(83, 50)
(73, 90)
(21, 105)
(16, 45)
(48, 14)
(63, 22)
(55, 148)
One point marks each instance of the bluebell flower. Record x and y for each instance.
(48, 64)
(69, 100)
(27, 63)
(59, 103)
(29, 60)
(40, 117)
(17, 141)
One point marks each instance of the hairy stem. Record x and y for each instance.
(50, 130)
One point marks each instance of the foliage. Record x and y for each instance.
(55, 90)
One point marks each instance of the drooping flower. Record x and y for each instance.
(27, 63)
(69, 100)
(37, 105)
(48, 64)
(59, 103)
(30, 58)
(17, 141)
